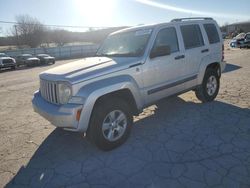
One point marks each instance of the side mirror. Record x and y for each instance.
(160, 51)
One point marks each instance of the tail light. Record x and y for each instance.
(222, 58)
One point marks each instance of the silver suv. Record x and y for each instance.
(7, 62)
(133, 68)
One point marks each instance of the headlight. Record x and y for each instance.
(64, 93)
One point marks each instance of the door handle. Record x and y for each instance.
(205, 50)
(179, 57)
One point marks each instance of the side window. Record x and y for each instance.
(168, 37)
(212, 33)
(192, 36)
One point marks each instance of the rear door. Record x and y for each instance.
(195, 50)
(214, 40)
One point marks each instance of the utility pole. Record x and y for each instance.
(17, 38)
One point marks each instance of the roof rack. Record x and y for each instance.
(192, 18)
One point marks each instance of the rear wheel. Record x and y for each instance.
(110, 123)
(209, 88)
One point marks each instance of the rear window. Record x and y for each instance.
(212, 33)
(192, 36)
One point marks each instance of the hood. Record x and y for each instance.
(87, 68)
(2, 58)
(46, 58)
(32, 58)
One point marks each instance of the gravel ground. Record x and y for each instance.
(178, 142)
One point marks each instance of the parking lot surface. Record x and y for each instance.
(179, 142)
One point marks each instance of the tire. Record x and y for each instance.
(13, 68)
(209, 88)
(101, 126)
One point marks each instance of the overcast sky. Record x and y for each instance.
(103, 13)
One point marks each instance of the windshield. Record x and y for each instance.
(127, 44)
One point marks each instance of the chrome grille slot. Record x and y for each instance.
(48, 90)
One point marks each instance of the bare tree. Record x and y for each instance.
(60, 37)
(28, 31)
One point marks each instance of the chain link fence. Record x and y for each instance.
(64, 52)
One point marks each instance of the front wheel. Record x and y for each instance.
(209, 88)
(110, 123)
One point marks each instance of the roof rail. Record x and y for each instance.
(192, 18)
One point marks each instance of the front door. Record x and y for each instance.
(162, 75)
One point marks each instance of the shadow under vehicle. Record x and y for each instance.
(170, 136)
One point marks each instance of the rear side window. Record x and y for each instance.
(192, 36)
(212, 33)
(167, 37)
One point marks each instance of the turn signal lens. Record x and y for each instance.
(78, 114)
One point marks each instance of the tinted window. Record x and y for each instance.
(192, 36)
(212, 33)
(167, 37)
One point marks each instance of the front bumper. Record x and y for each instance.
(47, 61)
(63, 116)
(32, 62)
(7, 65)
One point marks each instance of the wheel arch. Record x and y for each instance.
(205, 66)
(216, 66)
(121, 87)
(123, 94)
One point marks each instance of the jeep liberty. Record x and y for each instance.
(133, 68)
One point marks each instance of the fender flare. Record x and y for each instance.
(206, 61)
(93, 91)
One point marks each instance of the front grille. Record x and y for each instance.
(7, 61)
(49, 91)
